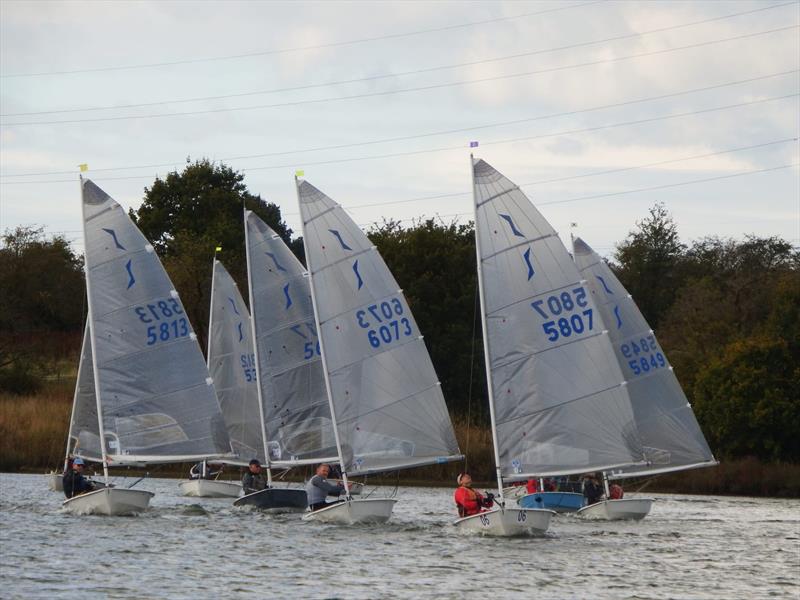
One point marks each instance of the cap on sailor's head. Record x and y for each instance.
(78, 461)
(255, 461)
(460, 475)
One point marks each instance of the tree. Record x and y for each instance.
(746, 400)
(186, 215)
(649, 263)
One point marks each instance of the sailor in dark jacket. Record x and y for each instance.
(254, 480)
(74, 481)
(592, 490)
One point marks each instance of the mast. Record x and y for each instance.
(90, 316)
(322, 348)
(211, 309)
(255, 352)
(487, 356)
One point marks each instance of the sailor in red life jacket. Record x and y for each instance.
(532, 486)
(615, 492)
(468, 501)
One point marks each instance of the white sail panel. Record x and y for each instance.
(84, 428)
(231, 362)
(559, 399)
(157, 398)
(389, 407)
(667, 426)
(296, 409)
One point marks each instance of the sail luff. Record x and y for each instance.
(77, 390)
(323, 356)
(487, 361)
(90, 317)
(211, 311)
(253, 329)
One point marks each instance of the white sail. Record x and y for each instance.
(84, 432)
(156, 398)
(295, 406)
(388, 405)
(671, 437)
(559, 400)
(231, 362)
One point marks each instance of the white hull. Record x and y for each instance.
(55, 482)
(617, 510)
(109, 501)
(508, 522)
(350, 512)
(210, 488)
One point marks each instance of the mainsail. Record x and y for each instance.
(388, 404)
(156, 400)
(84, 431)
(558, 396)
(671, 438)
(231, 362)
(296, 413)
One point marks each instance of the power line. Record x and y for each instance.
(374, 94)
(439, 68)
(305, 48)
(451, 131)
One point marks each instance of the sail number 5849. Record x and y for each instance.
(574, 320)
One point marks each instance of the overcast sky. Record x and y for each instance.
(550, 90)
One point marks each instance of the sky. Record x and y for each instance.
(598, 110)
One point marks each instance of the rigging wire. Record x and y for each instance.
(392, 92)
(439, 68)
(303, 48)
(452, 131)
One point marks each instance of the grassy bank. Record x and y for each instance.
(33, 432)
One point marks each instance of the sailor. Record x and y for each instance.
(468, 501)
(74, 481)
(202, 471)
(319, 488)
(615, 492)
(592, 490)
(254, 480)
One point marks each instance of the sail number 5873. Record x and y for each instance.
(574, 320)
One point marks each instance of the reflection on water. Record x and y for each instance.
(689, 547)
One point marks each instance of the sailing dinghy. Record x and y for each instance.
(385, 400)
(231, 363)
(143, 393)
(556, 396)
(671, 437)
(295, 420)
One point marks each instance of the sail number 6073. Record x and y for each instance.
(563, 304)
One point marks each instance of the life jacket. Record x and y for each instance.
(468, 500)
(532, 486)
(615, 492)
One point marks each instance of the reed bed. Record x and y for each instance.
(33, 432)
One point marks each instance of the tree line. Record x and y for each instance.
(726, 312)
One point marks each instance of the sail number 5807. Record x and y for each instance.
(562, 304)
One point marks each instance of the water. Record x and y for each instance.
(688, 547)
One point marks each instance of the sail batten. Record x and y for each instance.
(556, 395)
(388, 406)
(671, 437)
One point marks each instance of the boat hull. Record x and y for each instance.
(276, 500)
(109, 501)
(618, 510)
(351, 512)
(210, 488)
(561, 502)
(507, 522)
(55, 481)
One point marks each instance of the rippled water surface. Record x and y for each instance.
(688, 547)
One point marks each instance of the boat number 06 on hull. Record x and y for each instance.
(385, 322)
(564, 314)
